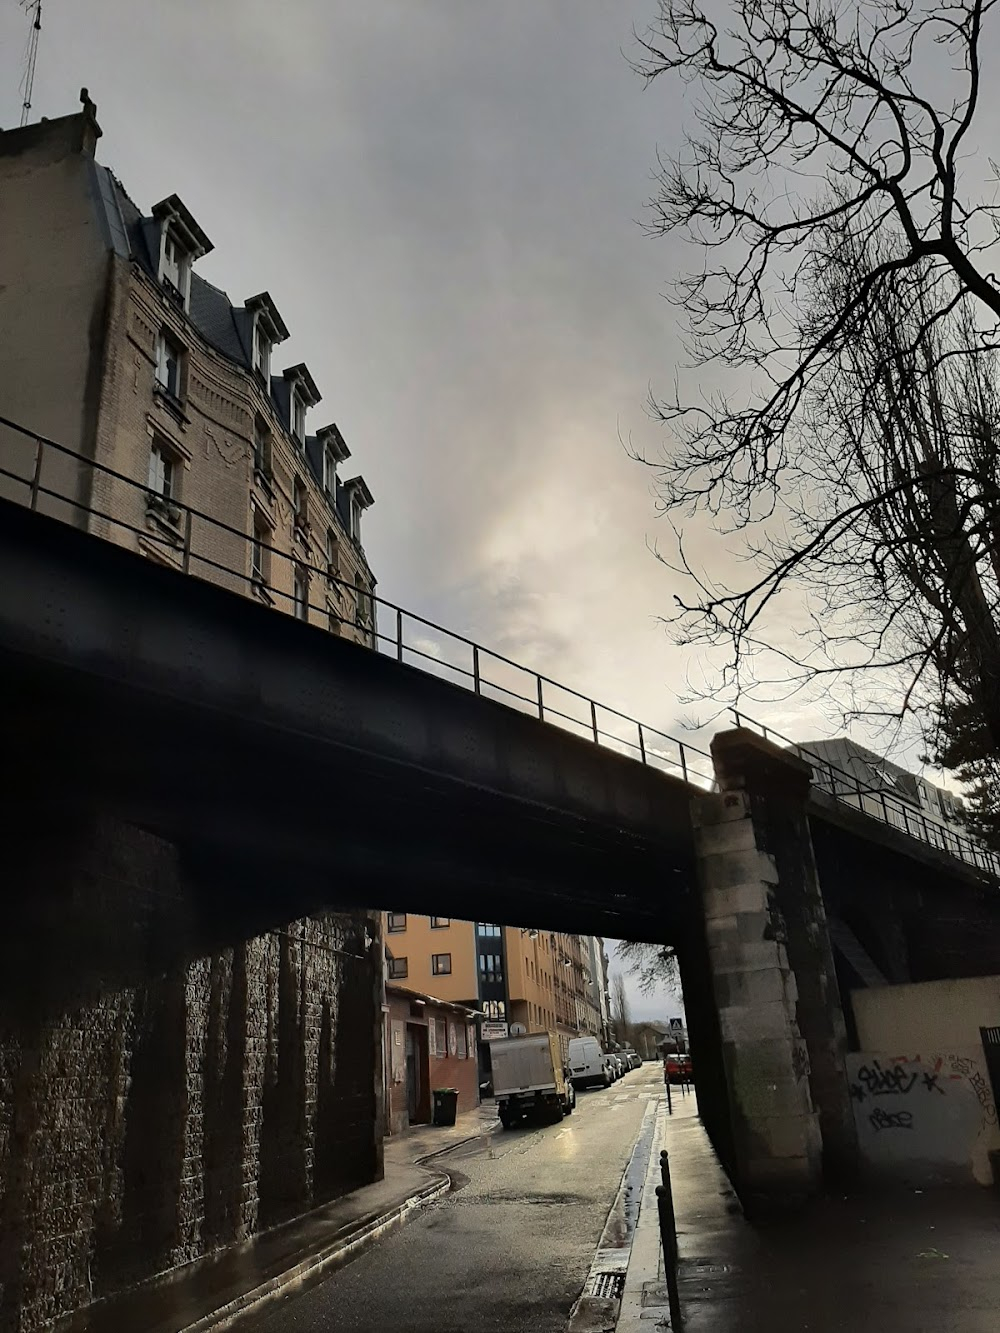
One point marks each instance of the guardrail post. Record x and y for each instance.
(668, 1239)
(684, 762)
(642, 743)
(36, 476)
(399, 635)
(475, 668)
(541, 706)
(593, 722)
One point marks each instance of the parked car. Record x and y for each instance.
(529, 1079)
(619, 1064)
(677, 1069)
(587, 1063)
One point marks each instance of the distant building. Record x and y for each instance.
(541, 979)
(849, 769)
(119, 350)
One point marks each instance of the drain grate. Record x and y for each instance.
(609, 1286)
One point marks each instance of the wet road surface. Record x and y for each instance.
(508, 1249)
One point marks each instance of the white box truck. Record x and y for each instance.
(529, 1079)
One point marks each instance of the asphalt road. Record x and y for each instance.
(508, 1249)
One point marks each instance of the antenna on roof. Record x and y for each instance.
(34, 9)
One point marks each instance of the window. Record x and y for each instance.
(298, 417)
(161, 471)
(300, 594)
(259, 553)
(398, 968)
(462, 1049)
(261, 351)
(169, 365)
(332, 555)
(356, 518)
(495, 1010)
(441, 964)
(300, 505)
(362, 601)
(441, 1037)
(487, 930)
(329, 471)
(261, 448)
(396, 922)
(439, 922)
(489, 967)
(175, 268)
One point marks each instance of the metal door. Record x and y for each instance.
(990, 1038)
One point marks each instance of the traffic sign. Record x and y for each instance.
(492, 1031)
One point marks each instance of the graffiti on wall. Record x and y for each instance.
(923, 1113)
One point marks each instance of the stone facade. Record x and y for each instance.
(92, 316)
(161, 1097)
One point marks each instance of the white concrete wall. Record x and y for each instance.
(926, 1118)
(928, 1015)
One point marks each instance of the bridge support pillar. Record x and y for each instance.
(780, 1020)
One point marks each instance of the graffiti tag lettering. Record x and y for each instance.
(880, 1120)
(931, 1084)
(894, 1082)
(984, 1096)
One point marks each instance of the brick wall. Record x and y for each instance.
(440, 1070)
(158, 1100)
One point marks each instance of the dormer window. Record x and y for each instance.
(182, 241)
(335, 450)
(261, 352)
(298, 418)
(302, 393)
(175, 269)
(268, 330)
(360, 498)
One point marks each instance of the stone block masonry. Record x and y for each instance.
(160, 1099)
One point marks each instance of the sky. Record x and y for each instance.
(444, 198)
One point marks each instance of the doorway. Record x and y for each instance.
(418, 1108)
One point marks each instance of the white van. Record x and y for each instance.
(587, 1066)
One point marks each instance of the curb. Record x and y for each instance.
(347, 1244)
(598, 1307)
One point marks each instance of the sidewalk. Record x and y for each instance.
(880, 1262)
(212, 1293)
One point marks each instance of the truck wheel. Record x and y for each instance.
(558, 1111)
(506, 1119)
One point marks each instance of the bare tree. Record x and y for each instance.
(825, 188)
(621, 1010)
(654, 966)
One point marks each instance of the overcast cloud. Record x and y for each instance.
(442, 196)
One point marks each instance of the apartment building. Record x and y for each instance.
(539, 979)
(119, 350)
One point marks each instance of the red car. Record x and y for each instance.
(677, 1069)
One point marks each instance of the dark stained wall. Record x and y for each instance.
(160, 1100)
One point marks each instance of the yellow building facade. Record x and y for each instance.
(537, 978)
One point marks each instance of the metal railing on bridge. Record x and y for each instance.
(177, 533)
(879, 802)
